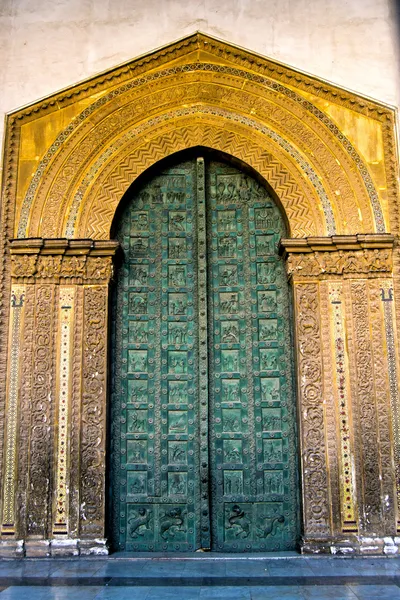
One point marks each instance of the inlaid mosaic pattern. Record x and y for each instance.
(65, 324)
(343, 408)
(16, 323)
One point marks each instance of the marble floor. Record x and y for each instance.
(199, 577)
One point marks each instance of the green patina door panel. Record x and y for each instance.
(252, 420)
(203, 412)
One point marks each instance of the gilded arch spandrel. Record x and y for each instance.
(331, 165)
(199, 55)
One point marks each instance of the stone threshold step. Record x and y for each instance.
(201, 581)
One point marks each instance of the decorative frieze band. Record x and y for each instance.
(366, 256)
(62, 261)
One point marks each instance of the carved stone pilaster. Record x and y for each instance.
(343, 290)
(59, 393)
(312, 423)
(370, 514)
(93, 432)
(385, 378)
(68, 262)
(40, 446)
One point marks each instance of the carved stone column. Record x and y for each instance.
(347, 368)
(54, 473)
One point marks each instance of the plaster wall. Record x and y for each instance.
(50, 44)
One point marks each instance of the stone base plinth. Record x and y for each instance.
(52, 548)
(37, 548)
(12, 549)
(351, 545)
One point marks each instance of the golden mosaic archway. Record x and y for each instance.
(328, 155)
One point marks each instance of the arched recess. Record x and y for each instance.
(202, 402)
(327, 154)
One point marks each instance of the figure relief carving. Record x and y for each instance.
(238, 521)
(73, 266)
(49, 266)
(140, 522)
(172, 523)
(23, 265)
(368, 262)
(99, 267)
(66, 262)
(270, 525)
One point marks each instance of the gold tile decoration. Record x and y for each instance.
(10, 472)
(65, 337)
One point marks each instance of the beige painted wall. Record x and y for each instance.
(46, 45)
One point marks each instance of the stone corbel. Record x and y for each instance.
(62, 261)
(353, 257)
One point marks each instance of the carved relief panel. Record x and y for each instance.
(154, 397)
(252, 436)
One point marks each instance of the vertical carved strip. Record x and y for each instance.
(63, 376)
(393, 373)
(332, 441)
(358, 475)
(341, 369)
(42, 398)
(370, 511)
(74, 450)
(25, 408)
(93, 411)
(7, 211)
(10, 472)
(381, 357)
(315, 477)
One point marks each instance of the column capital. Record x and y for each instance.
(62, 261)
(358, 256)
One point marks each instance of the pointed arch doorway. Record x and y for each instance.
(203, 426)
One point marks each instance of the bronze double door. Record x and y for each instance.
(203, 428)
